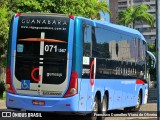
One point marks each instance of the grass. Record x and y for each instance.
(4, 96)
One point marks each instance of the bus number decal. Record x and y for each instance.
(50, 48)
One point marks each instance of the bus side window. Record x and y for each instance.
(87, 41)
(87, 38)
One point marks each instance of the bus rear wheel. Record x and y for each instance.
(139, 102)
(96, 109)
(104, 107)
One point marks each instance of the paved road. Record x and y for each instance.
(148, 109)
(145, 110)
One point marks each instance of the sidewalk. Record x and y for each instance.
(2, 104)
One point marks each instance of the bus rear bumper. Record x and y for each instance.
(21, 102)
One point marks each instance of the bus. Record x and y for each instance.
(60, 63)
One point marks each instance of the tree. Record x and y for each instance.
(89, 8)
(4, 27)
(136, 13)
(93, 8)
(35, 5)
(86, 8)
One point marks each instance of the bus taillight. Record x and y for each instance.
(9, 81)
(18, 14)
(8, 75)
(73, 86)
(71, 16)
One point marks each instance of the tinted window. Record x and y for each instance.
(42, 41)
(87, 38)
(52, 30)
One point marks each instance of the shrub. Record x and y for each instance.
(2, 88)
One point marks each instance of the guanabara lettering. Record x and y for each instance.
(42, 21)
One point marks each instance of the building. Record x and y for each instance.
(119, 5)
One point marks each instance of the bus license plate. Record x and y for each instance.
(38, 102)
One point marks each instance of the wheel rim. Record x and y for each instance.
(104, 106)
(95, 109)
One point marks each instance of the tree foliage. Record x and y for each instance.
(85, 8)
(35, 5)
(4, 17)
(152, 48)
(136, 13)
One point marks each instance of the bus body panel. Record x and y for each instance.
(129, 94)
(85, 98)
(77, 50)
(51, 104)
(13, 44)
(84, 95)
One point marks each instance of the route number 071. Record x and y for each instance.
(50, 48)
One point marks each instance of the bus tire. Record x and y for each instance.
(139, 102)
(104, 107)
(96, 109)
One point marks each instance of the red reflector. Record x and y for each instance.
(9, 81)
(71, 16)
(11, 89)
(38, 102)
(140, 81)
(18, 14)
(10, 100)
(68, 104)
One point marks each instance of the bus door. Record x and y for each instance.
(41, 55)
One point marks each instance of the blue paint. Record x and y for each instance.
(70, 53)
(77, 58)
(13, 48)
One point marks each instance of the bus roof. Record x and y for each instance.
(100, 23)
(115, 27)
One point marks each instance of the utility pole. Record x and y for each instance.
(158, 55)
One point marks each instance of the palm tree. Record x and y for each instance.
(93, 8)
(137, 13)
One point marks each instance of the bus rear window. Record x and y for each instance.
(42, 43)
(42, 36)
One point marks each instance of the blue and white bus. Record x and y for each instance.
(74, 64)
